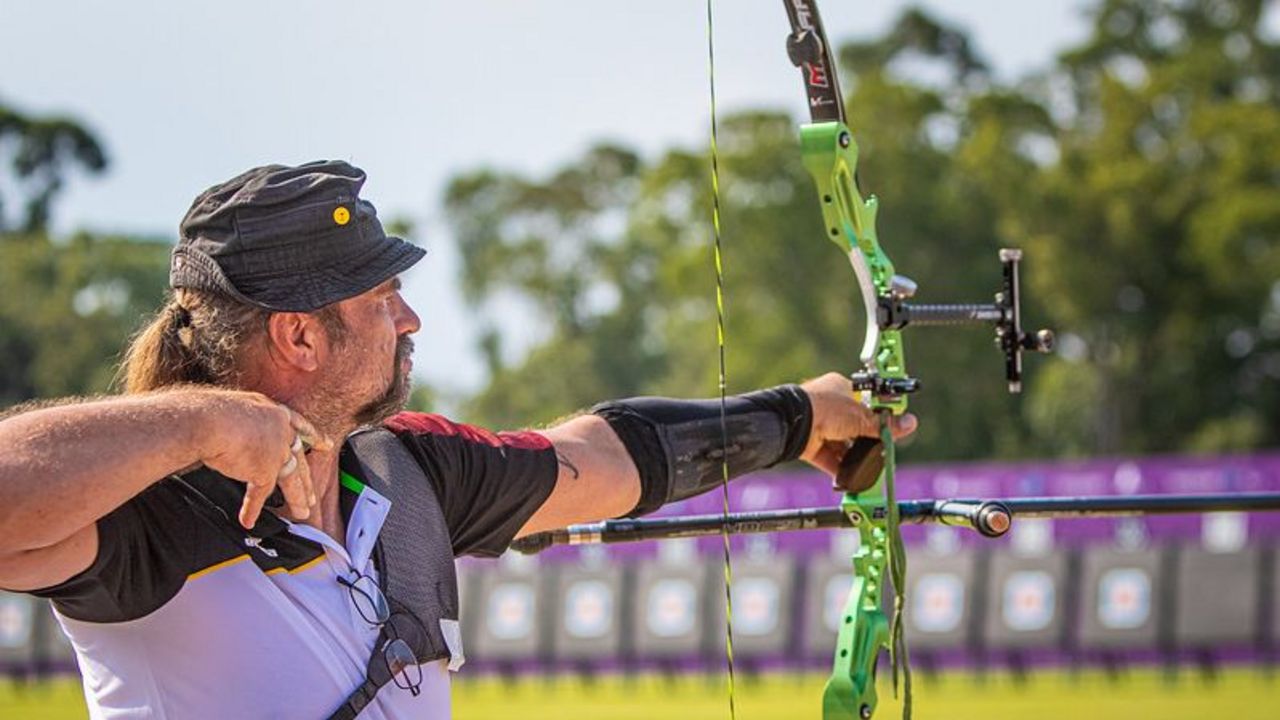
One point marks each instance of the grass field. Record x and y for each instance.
(1236, 694)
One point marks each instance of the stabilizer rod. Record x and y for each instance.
(991, 518)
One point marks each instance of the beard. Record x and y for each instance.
(394, 397)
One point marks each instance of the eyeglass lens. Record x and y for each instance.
(372, 605)
(404, 667)
(368, 598)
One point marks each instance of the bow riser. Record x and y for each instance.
(850, 692)
(830, 154)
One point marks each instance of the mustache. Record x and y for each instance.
(404, 348)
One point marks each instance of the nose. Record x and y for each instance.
(407, 321)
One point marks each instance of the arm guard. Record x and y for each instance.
(678, 448)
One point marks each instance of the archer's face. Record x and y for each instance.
(369, 367)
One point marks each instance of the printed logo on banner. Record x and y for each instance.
(1124, 598)
(588, 609)
(511, 611)
(755, 606)
(1028, 600)
(672, 608)
(937, 603)
(833, 596)
(16, 618)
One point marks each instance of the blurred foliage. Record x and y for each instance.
(39, 153)
(1141, 172)
(66, 308)
(422, 398)
(67, 304)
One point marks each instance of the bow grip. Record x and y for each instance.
(861, 465)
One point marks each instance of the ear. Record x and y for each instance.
(295, 339)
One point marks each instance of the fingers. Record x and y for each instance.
(840, 416)
(308, 485)
(294, 488)
(255, 496)
(265, 445)
(903, 425)
(828, 457)
(307, 433)
(293, 476)
(294, 481)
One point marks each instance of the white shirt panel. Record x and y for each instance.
(236, 642)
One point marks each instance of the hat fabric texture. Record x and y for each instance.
(288, 239)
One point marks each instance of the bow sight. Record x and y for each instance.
(863, 462)
(893, 312)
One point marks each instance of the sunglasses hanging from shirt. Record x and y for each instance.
(415, 601)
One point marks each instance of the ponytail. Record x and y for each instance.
(195, 338)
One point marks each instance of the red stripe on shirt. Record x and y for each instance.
(431, 424)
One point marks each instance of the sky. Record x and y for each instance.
(185, 95)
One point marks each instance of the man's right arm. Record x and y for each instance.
(65, 467)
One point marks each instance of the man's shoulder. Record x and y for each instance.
(421, 425)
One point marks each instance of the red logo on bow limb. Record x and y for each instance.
(817, 74)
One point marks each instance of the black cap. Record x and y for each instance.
(289, 239)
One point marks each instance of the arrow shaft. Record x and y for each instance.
(962, 512)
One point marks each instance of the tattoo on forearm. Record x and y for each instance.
(564, 460)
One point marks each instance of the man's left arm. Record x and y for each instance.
(597, 478)
(631, 457)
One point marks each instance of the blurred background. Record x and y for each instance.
(553, 157)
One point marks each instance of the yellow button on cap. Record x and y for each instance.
(341, 215)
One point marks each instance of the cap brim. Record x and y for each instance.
(318, 288)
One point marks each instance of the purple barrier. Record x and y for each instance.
(1173, 475)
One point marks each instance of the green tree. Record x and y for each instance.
(1139, 172)
(65, 308)
(65, 305)
(40, 153)
(793, 308)
(1156, 232)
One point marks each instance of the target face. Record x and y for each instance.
(16, 618)
(511, 611)
(1029, 600)
(756, 606)
(834, 595)
(588, 609)
(937, 603)
(672, 608)
(1124, 598)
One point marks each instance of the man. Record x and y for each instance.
(189, 592)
